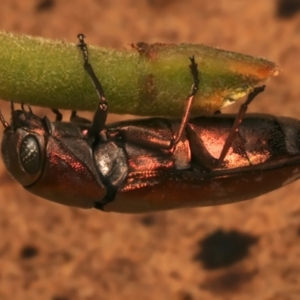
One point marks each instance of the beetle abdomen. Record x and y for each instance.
(260, 138)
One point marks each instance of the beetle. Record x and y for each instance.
(150, 164)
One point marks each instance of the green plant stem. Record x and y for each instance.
(145, 80)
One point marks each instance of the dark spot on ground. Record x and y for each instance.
(124, 268)
(60, 257)
(44, 5)
(28, 252)
(148, 220)
(221, 249)
(228, 281)
(287, 8)
(184, 295)
(175, 275)
(160, 4)
(59, 298)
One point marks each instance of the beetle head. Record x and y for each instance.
(23, 145)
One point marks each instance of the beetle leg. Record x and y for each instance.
(2, 120)
(150, 138)
(28, 106)
(100, 116)
(141, 136)
(58, 115)
(12, 107)
(79, 120)
(237, 122)
(190, 100)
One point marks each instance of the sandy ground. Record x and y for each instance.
(242, 251)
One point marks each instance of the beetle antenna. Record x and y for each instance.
(100, 116)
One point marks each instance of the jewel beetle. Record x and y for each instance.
(150, 164)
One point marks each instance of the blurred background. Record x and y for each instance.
(247, 250)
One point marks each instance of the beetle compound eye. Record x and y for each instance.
(30, 154)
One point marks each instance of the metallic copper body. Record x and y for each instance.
(130, 169)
